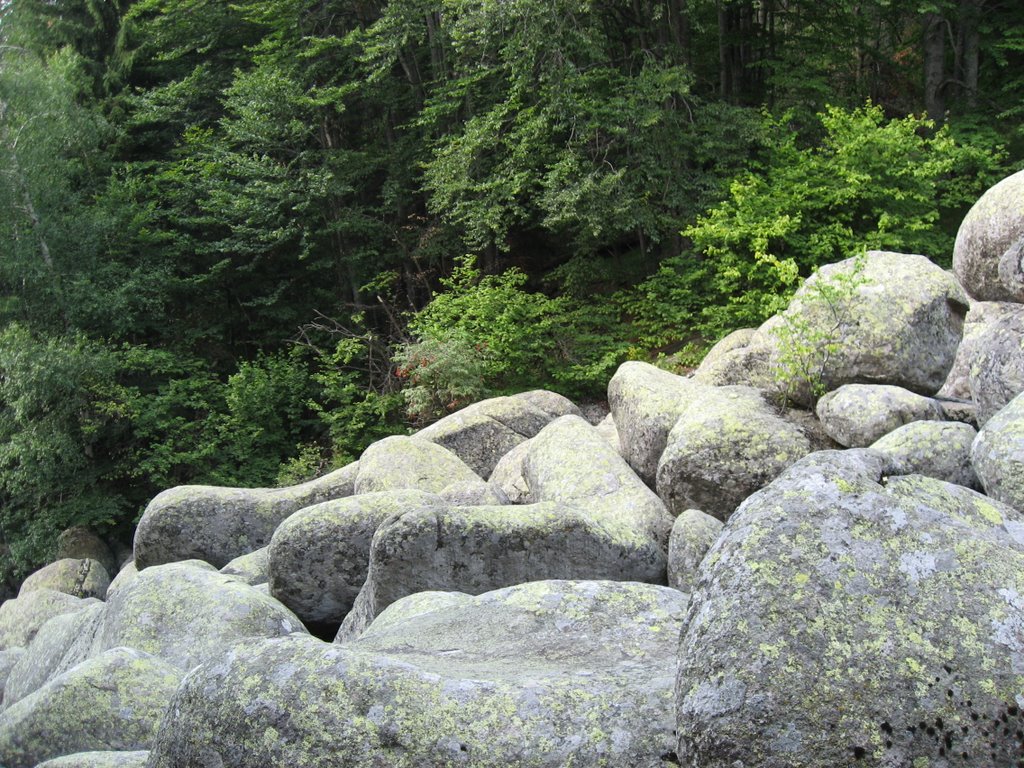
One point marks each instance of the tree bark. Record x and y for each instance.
(934, 44)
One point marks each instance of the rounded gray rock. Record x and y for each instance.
(79, 577)
(990, 232)
(21, 618)
(938, 449)
(409, 463)
(135, 759)
(692, 536)
(998, 454)
(856, 415)
(996, 362)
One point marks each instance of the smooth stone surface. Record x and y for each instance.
(996, 362)
(253, 568)
(320, 555)
(186, 613)
(552, 403)
(692, 536)
(410, 463)
(998, 454)
(938, 449)
(112, 702)
(988, 232)
(79, 577)
(99, 760)
(22, 617)
(545, 674)
(80, 543)
(219, 524)
(856, 415)
(842, 621)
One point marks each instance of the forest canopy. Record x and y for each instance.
(241, 241)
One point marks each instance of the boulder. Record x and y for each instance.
(61, 643)
(99, 760)
(80, 543)
(939, 449)
(82, 578)
(750, 364)
(551, 403)
(186, 613)
(980, 315)
(998, 454)
(21, 618)
(253, 568)
(112, 702)
(473, 493)
(606, 428)
(126, 575)
(219, 524)
(996, 359)
(646, 403)
(319, 556)
(545, 674)
(988, 239)
(507, 479)
(477, 549)
(692, 536)
(9, 659)
(398, 462)
(739, 339)
(856, 415)
(727, 444)
(481, 433)
(838, 621)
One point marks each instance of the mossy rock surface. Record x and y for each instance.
(83, 577)
(136, 759)
(844, 618)
(542, 674)
(114, 701)
(998, 454)
(727, 444)
(939, 449)
(253, 568)
(856, 415)
(692, 536)
(9, 658)
(320, 555)
(481, 433)
(551, 403)
(218, 524)
(22, 617)
(988, 232)
(79, 542)
(409, 463)
(186, 613)
(996, 362)
(61, 643)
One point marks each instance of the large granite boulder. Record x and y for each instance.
(938, 449)
(998, 454)
(112, 702)
(842, 621)
(996, 362)
(219, 524)
(986, 255)
(253, 568)
(319, 556)
(81, 543)
(21, 618)
(186, 613)
(136, 759)
(727, 444)
(61, 643)
(79, 577)
(692, 536)
(544, 674)
(481, 433)
(399, 463)
(856, 415)
(551, 403)
(9, 658)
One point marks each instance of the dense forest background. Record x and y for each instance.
(240, 241)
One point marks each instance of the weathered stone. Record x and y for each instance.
(996, 372)
(112, 702)
(319, 556)
(507, 478)
(9, 658)
(727, 444)
(546, 674)
(61, 643)
(752, 364)
(989, 232)
(99, 760)
(81, 578)
(733, 341)
(939, 449)
(473, 493)
(646, 403)
(856, 415)
(840, 621)
(219, 524)
(126, 575)
(552, 403)
(1011, 267)
(980, 315)
(692, 536)
(481, 433)
(22, 617)
(80, 543)
(253, 568)
(398, 463)
(186, 613)
(998, 454)
(608, 431)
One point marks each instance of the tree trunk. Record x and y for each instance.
(967, 50)
(934, 42)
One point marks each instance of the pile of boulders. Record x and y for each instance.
(760, 564)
